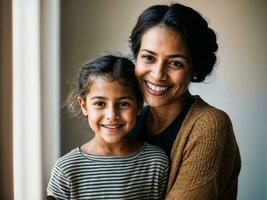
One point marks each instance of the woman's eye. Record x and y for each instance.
(176, 64)
(148, 58)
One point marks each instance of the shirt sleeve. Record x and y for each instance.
(59, 184)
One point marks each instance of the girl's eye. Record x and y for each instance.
(99, 104)
(148, 58)
(176, 64)
(123, 104)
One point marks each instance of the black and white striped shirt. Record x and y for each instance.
(81, 176)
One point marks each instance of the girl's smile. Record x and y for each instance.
(111, 109)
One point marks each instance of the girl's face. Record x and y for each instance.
(111, 109)
(163, 66)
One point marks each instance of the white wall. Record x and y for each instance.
(88, 28)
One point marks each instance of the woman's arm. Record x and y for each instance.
(208, 161)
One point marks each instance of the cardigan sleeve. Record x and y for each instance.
(202, 157)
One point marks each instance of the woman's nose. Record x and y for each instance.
(158, 72)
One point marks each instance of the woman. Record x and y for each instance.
(173, 46)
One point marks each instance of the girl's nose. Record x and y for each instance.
(111, 113)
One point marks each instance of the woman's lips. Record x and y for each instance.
(156, 89)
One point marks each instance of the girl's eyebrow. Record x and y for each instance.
(169, 56)
(120, 98)
(97, 97)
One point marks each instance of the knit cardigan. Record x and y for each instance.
(205, 159)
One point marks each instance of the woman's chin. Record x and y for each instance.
(155, 102)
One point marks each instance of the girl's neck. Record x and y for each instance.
(96, 147)
(160, 118)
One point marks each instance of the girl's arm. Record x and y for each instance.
(163, 182)
(51, 198)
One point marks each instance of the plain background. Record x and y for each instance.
(237, 86)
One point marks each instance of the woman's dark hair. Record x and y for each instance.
(110, 67)
(200, 39)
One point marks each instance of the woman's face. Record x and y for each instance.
(163, 66)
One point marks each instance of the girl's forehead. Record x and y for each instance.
(92, 79)
(107, 85)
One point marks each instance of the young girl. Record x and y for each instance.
(110, 166)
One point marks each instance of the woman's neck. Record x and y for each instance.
(159, 118)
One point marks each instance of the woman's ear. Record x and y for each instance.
(83, 106)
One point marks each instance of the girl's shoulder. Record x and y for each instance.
(152, 151)
(70, 157)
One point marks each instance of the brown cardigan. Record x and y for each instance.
(205, 159)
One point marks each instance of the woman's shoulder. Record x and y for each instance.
(201, 110)
(204, 120)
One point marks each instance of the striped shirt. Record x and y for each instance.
(142, 175)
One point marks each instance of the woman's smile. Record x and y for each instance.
(163, 67)
(155, 89)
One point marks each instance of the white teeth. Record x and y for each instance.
(156, 88)
(112, 126)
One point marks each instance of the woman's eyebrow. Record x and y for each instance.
(149, 51)
(176, 55)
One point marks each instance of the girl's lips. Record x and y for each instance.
(155, 89)
(112, 127)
